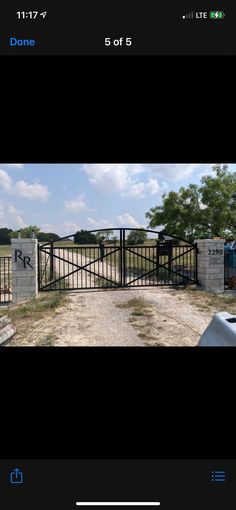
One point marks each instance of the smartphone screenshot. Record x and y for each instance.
(117, 254)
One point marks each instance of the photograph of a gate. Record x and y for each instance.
(115, 263)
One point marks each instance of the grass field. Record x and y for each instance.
(5, 250)
(25, 315)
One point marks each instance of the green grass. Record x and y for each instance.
(102, 282)
(140, 318)
(35, 308)
(5, 250)
(139, 305)
(25, 316)
(47, 341)
(209, 301)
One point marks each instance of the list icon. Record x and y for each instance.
(218, 476)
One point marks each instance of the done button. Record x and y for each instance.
(22, 42)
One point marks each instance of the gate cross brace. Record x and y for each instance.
(157, 266)
(79, 268)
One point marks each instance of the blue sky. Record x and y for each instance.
(65, 198)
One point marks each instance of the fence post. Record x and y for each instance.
(210, 264)
(24, 269)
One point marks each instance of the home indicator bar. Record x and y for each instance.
(118, 503)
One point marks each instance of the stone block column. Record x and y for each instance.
(24, 269)
(211, 264)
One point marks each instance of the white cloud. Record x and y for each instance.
(70, 227)
(16, 216)
(172, 171)
(206, 170)
(10, 216)
(62, 229)
(12, 165)
(141, 189)
(76, 204)
(127, 220)
(35, 191)
(128, 179)
(5, 181)
(111, 177)
(99, 223)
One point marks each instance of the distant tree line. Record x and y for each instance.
(7, 233)
(87, 237)
(81, 237)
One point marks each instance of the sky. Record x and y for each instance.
(64, 198)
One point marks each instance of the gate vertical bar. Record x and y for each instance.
(39, 267)
(196, 262)
(124, 261)
(157, 260)
(121, 257)
(170, 252)
(51, 261)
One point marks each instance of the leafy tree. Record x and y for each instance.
(85, 237)
(41, 236)
(203, 211)
(5, 235)
(136, 237)
(27, 231)
(47, 237)
(107, 234)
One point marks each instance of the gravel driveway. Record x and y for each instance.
(105, 318)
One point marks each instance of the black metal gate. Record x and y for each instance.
(133, 258)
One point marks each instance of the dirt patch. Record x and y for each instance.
(130, 317)
(168, 318)
(31, 315)
(86, 319)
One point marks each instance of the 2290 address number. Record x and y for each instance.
(215, 252)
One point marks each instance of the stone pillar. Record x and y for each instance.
(211, 264)
(24, 269)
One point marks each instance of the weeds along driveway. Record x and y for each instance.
(129, 317)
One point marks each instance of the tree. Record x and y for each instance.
(208, 210)
(136, 237)
(114, 239)
(85, 237)
(27, 231)
(5, 235)
(107, 234)
(47, 237)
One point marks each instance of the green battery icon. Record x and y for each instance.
(216, 14)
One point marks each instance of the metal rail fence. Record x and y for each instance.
(5, 279)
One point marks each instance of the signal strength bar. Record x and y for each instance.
(190, 15)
